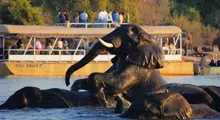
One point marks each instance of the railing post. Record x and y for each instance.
(9, 51)
(60, 56)
(51, 50)
(28, 46)
(34, 48)
(78, 46)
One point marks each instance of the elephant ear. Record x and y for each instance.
(148, 54)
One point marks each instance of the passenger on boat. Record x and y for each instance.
(19, 44)
(212, 63)
(13, 46)
(66, 46)
(49, 47)
(165, 48)
(59, 46)
(203, 62)
(173, 48)
(48, 40)
(218, 63)
(38, 47)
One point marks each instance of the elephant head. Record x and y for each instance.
(25, 97)
(128, 42)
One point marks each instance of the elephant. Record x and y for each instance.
(214, 92)
(216, 41)
(193, 94)
(52, 98)
(151, 83)
(136, 57)
(203, 111)
(156, 105)
(164, 104)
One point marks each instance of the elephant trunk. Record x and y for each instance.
(94, 52)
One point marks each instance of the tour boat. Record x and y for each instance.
(54, 62)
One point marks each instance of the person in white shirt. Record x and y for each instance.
(38, 46)
(101, 16)
(60, 44)
(105, 17)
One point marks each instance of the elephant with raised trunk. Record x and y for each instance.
(136, 58)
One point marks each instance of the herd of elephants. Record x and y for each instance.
(132, 86)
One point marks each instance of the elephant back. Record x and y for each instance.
(192, 93)
(169, 105)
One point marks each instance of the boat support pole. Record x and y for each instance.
(53, 46)
(180, 35)
(34, 48)
(77, 48)
(28, 45)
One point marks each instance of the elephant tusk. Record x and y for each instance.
(108, 45)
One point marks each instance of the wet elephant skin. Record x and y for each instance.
(51, 98)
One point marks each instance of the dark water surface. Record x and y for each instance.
(9, 85)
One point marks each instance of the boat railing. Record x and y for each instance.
(172, 54)
(70, 55)
(58, 55)
(89, 25)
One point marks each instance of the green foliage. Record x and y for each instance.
(21, 12)
(213, 19)
(208, 10)
(208, 34)
(182, 10)
(80, 5)
(200, 34)
(96, 5)
(201, 18)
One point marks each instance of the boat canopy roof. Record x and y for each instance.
(60, 30)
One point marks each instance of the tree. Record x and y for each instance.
(96, 5)
(21, 12)
(153, 12)
(182, 10)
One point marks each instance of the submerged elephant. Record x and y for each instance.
(159, 105)
(193, 94)
(52, 98)
(208, 95)
(136, 58)
(165, 104)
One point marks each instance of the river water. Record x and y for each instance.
(8, 85)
